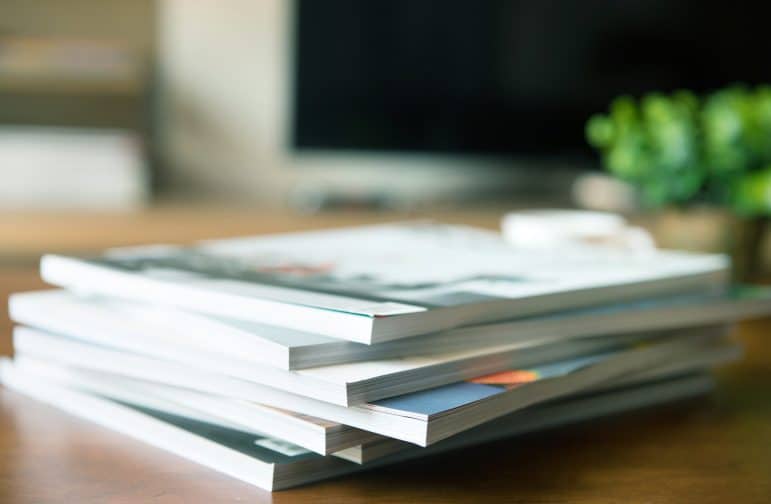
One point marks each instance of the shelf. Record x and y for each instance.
(76, 87)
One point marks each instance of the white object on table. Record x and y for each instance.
(573, 228)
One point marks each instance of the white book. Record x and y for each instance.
(180, 331)
(345, 384)
(380, 283)
(311, 433)
(315, 434)
(602, 400)
(273, 466)
(255, 460)
(421, 418)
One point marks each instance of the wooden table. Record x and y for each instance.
(715, 449)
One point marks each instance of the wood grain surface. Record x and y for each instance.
(714, 449)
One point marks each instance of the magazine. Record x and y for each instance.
(379, 283)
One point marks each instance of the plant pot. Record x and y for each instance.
(708, 229)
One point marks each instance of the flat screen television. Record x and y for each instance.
(515, 78)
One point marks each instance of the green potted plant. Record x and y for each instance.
(696, 158)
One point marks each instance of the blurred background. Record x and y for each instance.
(170, 120)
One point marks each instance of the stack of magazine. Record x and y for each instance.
(281, 360)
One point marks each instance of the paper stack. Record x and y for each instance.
(282, 360)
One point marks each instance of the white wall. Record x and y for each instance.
(224, 92)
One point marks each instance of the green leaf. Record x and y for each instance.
(600, 131)
(752, 193)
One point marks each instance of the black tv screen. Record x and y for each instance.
(504, 78)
